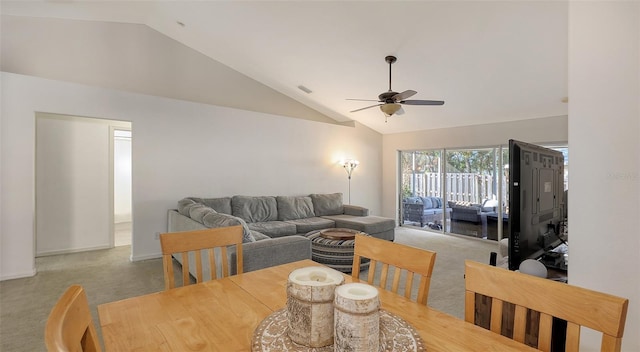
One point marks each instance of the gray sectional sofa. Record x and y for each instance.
(274, 225)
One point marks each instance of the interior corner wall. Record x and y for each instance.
(604, 144)
(542, 130)
(180, 149)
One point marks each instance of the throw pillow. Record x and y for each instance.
(198, 211)
(427, 202)
(184, 205)
(223, 220)
(293, 208)
(327, 204)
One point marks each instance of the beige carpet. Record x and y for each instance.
(108, 275)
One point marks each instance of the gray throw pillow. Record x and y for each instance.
(184, 205)
(427, 202)
(198, 211)
(327, 204)
(293, 208)
(224, 220)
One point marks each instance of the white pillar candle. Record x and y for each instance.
(357, 318)
(310, 294)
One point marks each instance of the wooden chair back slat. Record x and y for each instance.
(199, 275)
(519, 323)
(196, 241)
(576, 305)
(544, 332)
(70, 325)
(185, 267)
(496, 316)
(402, 258)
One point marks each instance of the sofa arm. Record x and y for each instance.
(271, 252)
(355, 210)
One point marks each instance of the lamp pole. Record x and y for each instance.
(349, 166)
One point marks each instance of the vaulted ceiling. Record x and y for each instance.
(489, 61)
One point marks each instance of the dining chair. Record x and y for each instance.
(415, 262)
(70, 325)
(195, 242)
(548, 299)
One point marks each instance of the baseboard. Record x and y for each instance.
(19, 275)
(146, 257)
(72, 250)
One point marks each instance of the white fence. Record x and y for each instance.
(467, 187)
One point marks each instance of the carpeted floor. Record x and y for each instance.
(108, 275)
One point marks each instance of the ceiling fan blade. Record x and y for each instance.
(363, 99)
(400, 111)
(367, 107)
(422, 102)
(404, 95)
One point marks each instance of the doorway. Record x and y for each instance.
(74, 183)
(122, 215)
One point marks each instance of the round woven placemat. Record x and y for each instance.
(395, 335)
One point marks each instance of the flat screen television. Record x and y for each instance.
(536, 201)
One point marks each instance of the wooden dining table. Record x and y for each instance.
(222, 315)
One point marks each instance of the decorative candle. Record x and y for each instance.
(357, 318)
(310, 294)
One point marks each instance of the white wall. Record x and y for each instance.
(543, 130)
(604, 143)
(72, 184)
(180, 149)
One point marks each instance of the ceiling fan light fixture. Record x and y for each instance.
(390, 109)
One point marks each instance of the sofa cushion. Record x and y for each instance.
(437, 202)
(221, 205)
(214, 219)
(311, 224)
(259, 236)
(292, 208)
(255, 209)
(274, 228)
(327, 204)
(198, 211)
(369, 224)
(489, 205)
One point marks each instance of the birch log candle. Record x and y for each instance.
(310, 293)
(357, 318)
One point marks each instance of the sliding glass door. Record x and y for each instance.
(473, 178)
(422, 189)
(459, 191)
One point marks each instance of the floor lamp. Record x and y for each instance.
(349, 166)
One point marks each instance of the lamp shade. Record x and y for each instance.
(390, 109)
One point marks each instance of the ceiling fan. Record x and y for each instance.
(391, 102)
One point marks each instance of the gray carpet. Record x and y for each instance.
(108, 275)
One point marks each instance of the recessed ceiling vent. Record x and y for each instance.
(304, 89)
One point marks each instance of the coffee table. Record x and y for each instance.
(334, 248)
